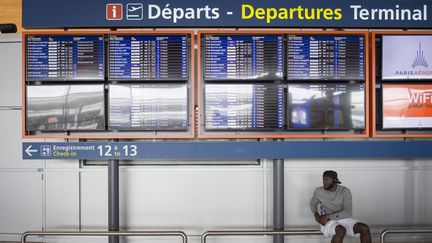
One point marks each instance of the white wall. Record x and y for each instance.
(62, 195)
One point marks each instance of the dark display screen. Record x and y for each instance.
(58, 58)
(326, 106)
(65, 107)
(148, 57)
(228, 57)
(326, 57)
(148, 107)
(244, 106)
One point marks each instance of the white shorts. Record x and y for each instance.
(329, 229)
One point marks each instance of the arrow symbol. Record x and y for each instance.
(29, 150)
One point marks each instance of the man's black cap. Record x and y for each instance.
(333, 175)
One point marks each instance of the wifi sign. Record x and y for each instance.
(114, 11)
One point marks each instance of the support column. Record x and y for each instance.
(113, 199)
(278, 198)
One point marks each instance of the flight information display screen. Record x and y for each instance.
(59, 58)
(65, 107)
(244, 106)
(228, 57)
(148, 57)
(326, 106)
(326, 57)
(148, 107)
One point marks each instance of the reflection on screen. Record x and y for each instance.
(65, 107)
(243, 106)
(148, 107)
(326, 106)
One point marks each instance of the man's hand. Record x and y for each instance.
(321, 219)
(318, 218)
(324, 220)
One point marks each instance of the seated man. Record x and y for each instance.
(335, 204)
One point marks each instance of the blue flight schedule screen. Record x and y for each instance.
(244, 106)
(326, 57)
(59, 58)
(148, 57)
(252, 57)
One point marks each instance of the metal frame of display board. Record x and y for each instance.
(283, 134)
(399, 132)
(123, 134)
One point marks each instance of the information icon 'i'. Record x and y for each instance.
(114, 11)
